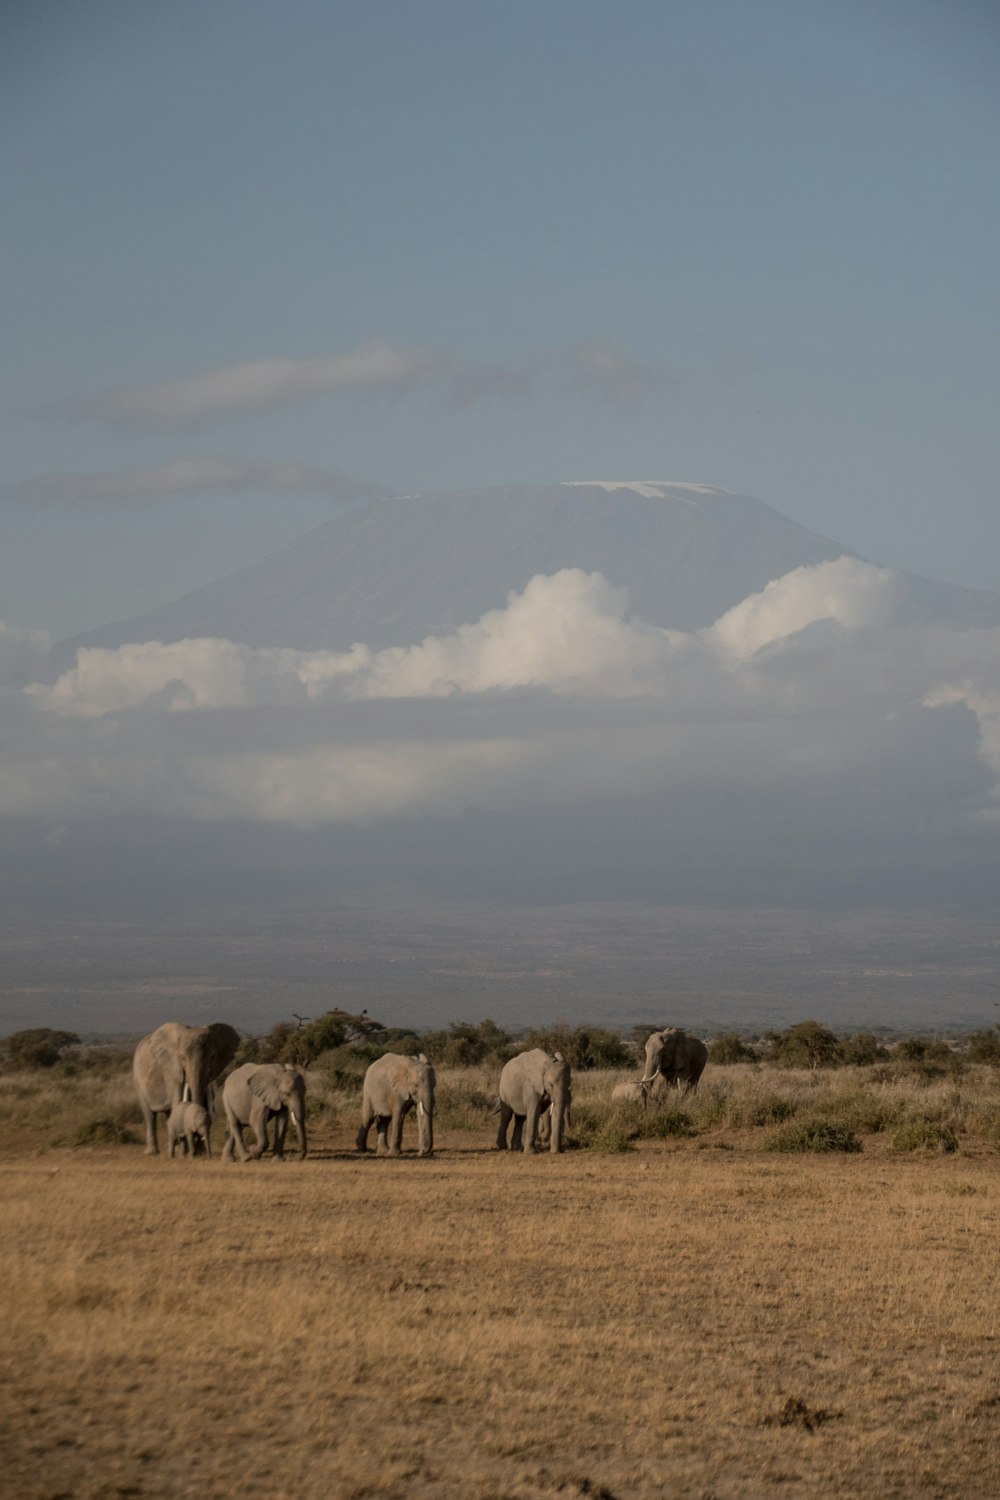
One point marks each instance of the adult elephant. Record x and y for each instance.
(531, 1084)
(254, 1095)
(676, 1057)
(393, 1086)
(178, 1062)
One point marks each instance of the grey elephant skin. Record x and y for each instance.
(676, 1057)
(187, 1125)
(393, 1086)
(256, 1094)
(532, 1085)
(176, 1062)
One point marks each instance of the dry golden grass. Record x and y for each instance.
(491, 1327)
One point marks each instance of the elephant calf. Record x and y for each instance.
(633, 1092)
(187, 1124)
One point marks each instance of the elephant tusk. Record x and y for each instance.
(420, 1108)
(645, 1082)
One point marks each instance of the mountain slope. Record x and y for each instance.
(399, 569)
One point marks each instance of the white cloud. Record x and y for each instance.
(258, 384)
(851, 592)
(191, 474)
(603, 369)
(559, 695)
(211, 396)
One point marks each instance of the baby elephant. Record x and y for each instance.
(634, 1092)
(188, 1124)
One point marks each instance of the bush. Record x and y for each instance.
(862, 1049)
(924, 1134)
(923, 1049)
(807, 1045)
(38, 1048)
(813, 1135)
(747, 1113)
(613, 1139)
(584, 1047)
(104, 1132)
(463, 1045)
(662, 1123)
(729, 1048)
(984, 1046)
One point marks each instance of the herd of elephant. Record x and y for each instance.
(175, 1066)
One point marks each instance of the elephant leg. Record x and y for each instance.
(149, 1120)
(516, 1133)
(506, 1115)
(258, 1124)
(367, 1116)
(382, 1134)
(234, 1140)
(280, 1126)
(396, 1129)
(531, 1127)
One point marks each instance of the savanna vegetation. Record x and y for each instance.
(783, 1283)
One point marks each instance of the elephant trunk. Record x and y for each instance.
(425, 1129)
(558, 1119)
(299, 1121)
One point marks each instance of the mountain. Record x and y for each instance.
(398, 569)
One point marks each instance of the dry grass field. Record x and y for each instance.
(693, 1317)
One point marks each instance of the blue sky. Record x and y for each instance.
(750, 244)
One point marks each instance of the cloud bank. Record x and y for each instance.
(191, 474)
(560, 696)
(597, 368)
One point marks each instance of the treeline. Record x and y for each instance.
(348, 1042)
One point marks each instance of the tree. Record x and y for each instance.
(730, 1048)
(463, 1045)
(807, 1045)
(38, 1048)
(583, 1048)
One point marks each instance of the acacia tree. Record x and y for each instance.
(40, 1047)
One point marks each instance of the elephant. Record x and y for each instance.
(393, 1085)
(634, 1092)
(176, 1062)
(532, 1085)
(187, 1124)
(676, 1057)
(256, 1093)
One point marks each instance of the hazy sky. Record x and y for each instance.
(267, 258)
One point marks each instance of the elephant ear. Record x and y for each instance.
(265, 1087)
(163, 1050)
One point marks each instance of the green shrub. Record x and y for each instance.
(104, 1132)
(40, 1047)
(729, 1048)
(813, 1135)
(806, 1045)
(984, 1046)
(463, 1045)
(750, 1112)
(862, 1049)
(612, 1139)
(924, 1134)
(661, 1123)
(863, 1112)
(584, 1047)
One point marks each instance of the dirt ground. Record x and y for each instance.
(683, 1320)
